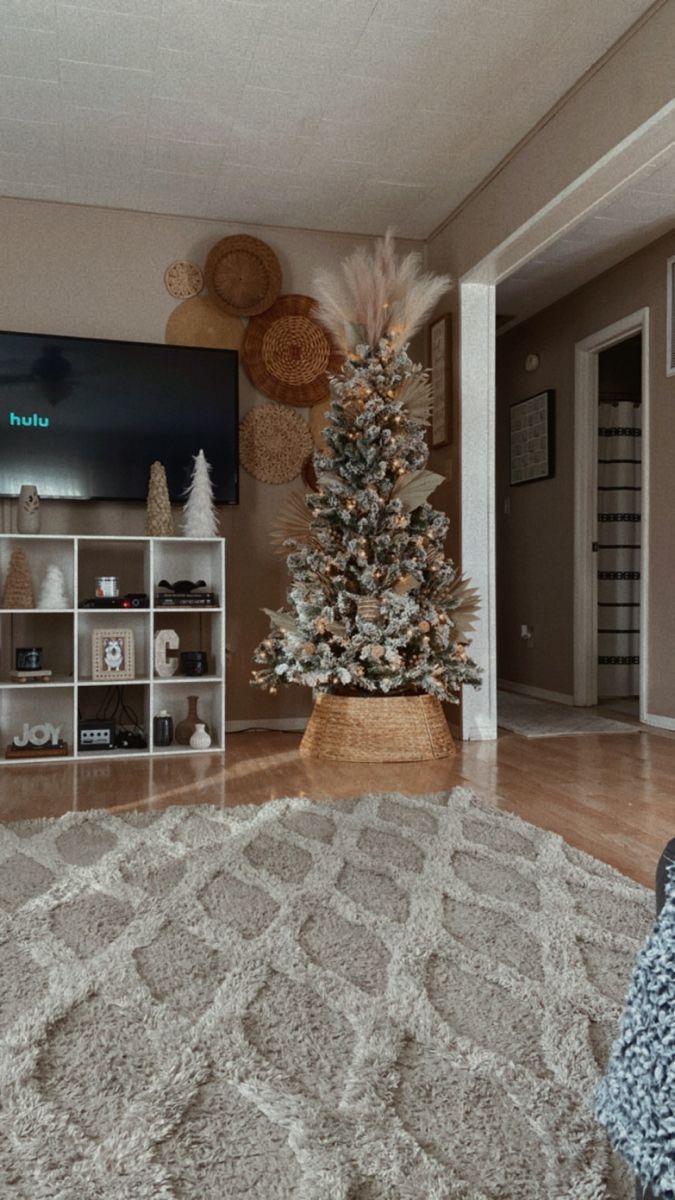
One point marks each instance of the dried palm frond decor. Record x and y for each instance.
(378, 617)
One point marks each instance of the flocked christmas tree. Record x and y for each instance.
(375, 607)
(200, 518)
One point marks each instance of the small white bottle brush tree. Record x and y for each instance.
(200, 518)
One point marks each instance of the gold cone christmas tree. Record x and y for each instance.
(159, 518)
(18, 591)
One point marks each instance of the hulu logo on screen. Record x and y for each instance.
(34, 422)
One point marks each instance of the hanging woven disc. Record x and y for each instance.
(183, 279)
(273, 443)
(243, 275)
(198, 322)
(287, 353)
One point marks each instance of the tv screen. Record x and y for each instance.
(84, 418)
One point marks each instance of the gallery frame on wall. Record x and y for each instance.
(440, 377)
(670, 318)
(532, 438)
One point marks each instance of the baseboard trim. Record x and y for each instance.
(479, 731)
(658, 722)
(537, 693)
(291, 724)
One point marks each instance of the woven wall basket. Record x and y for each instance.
(287, 353)
(183, 279)
(377, 729)
(198, 322)
(273, 443)
(243, 275)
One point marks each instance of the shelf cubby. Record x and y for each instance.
(128, 559)
(41, 553)
(34, 705)
(174, 698)
(51, 631)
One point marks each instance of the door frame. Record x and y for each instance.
(586, 500)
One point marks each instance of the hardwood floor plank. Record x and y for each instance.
(609, 795)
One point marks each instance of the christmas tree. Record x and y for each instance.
(53, 590)
(158, 518)
(200, 518)
(375, 607)
(18, 591)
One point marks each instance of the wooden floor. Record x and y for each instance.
(610, 795)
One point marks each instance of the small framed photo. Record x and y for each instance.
(670, 319)
(112, 654)
(533, 438)
(440, 372)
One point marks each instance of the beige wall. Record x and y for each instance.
(629, 87)
(96, 272)
(535, 542)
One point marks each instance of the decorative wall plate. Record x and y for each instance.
(198, 322)
(183, 279)
(273, 443)
(288, 353)
(243, 275)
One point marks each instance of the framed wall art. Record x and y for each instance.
(532, 438)
(670, 319)
(440, 373)
(112, 654)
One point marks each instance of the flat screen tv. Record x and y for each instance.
(84, 418)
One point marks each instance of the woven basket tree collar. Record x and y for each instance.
(243, 275)
(288, 353)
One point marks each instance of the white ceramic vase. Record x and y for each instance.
(28, 510)
(200, 740)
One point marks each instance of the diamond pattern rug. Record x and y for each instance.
(391, 998)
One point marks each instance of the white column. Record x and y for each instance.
(477, 490)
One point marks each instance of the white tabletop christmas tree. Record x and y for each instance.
(200, 518)
(375, 607)
(53, 590)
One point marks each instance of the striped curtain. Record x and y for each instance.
(619, 516)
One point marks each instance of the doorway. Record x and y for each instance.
(611, 550)
(619, 548)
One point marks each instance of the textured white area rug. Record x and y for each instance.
(534, 718)
(391, 998)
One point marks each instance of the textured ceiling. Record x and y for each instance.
(638, 214)
(333, 114)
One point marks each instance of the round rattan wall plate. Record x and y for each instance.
(183, 279)
(197, 322)
(273, 443)
(287, 353)
(243, 275)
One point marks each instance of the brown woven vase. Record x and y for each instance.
(377, 729)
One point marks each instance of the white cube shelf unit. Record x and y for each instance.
(65, 636)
